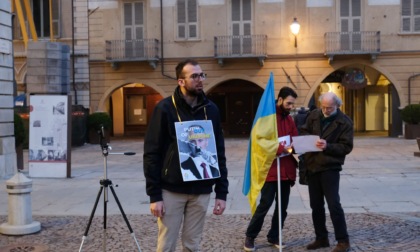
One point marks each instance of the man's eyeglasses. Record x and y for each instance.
(197, 76)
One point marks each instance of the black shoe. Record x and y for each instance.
(319, 243)
(342, 246)
(249, 244)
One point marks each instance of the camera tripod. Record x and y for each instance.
(105, 183)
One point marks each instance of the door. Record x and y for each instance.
(350, 25)
(241, 27)
(134, 30)
(240, 113)
(136, 113)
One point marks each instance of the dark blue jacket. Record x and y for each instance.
(161, 160)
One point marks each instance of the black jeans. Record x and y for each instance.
(326, 184)
(268, 195)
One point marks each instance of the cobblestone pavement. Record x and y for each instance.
(380, 196)
(368, 232)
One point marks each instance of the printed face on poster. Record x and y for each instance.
(197, 150)
(48, 135)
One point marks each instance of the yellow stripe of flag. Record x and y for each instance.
(262, 147)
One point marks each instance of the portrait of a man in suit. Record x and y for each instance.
(201, 163)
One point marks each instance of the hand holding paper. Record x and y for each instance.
(303, 144)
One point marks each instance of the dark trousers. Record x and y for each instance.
(326, 185)
(268, 195)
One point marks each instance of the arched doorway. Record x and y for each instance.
(373, 106)
(238, 101)
(131, 107)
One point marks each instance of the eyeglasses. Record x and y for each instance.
(197, 76)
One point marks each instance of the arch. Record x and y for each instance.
(108, 92)
(375, 66)
(228, 77)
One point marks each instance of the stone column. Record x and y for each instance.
(20, 221)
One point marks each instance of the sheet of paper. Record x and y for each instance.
(303, 144)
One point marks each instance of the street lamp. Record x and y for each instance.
(295, 27)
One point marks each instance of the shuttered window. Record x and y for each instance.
(241, 27)
(410, 16)
(41, 15)
(134, 29)
(187, 19)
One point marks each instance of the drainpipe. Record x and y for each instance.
(162, 68)
(73, 57)
(409, 86)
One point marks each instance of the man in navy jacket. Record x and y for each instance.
(177, 203)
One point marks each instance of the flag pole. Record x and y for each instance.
(279, 203)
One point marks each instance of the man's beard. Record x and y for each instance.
(284, 109)
(193, 92)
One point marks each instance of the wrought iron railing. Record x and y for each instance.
(132, 50)
(240, 46)
(364, 42)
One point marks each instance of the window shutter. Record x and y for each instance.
(406, 24)
(406, 7)
(356, 25)
(192, 31)
(344, 8)
(181, 18)
(236, 8)
(417, 24)
(138, 13)
(416, 7)
(56, 18)
(356, 8)
(246, 12)
(344, 25)
(128, 21)
(127, 14)
(192, 19)
(192, 11)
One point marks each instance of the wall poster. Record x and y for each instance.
(49, 136)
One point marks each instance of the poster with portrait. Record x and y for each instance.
(49, 140)
(197, 150)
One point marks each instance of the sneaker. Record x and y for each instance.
(249, 244)
(342, 246)
(319, 243)
(275, 243)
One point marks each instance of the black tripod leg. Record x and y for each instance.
(125, 217)
(121, 209)
(91, 217)
(105, 208)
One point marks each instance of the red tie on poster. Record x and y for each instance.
(206, 175)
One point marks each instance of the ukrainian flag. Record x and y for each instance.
(262, 147)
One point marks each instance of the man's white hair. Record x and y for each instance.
(331, 96)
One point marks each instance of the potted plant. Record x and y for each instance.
(95, 122)
(20, 136)
(410, 114)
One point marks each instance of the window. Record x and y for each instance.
(134, 29)
(41, 14)
(241, 27)
(410, 16)
(187, 20)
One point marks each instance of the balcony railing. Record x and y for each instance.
(344, 43)
(133, 50)
(245, 46)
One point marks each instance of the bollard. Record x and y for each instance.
(19, 221)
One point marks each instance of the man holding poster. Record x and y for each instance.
(174, 201)
(286, 128)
